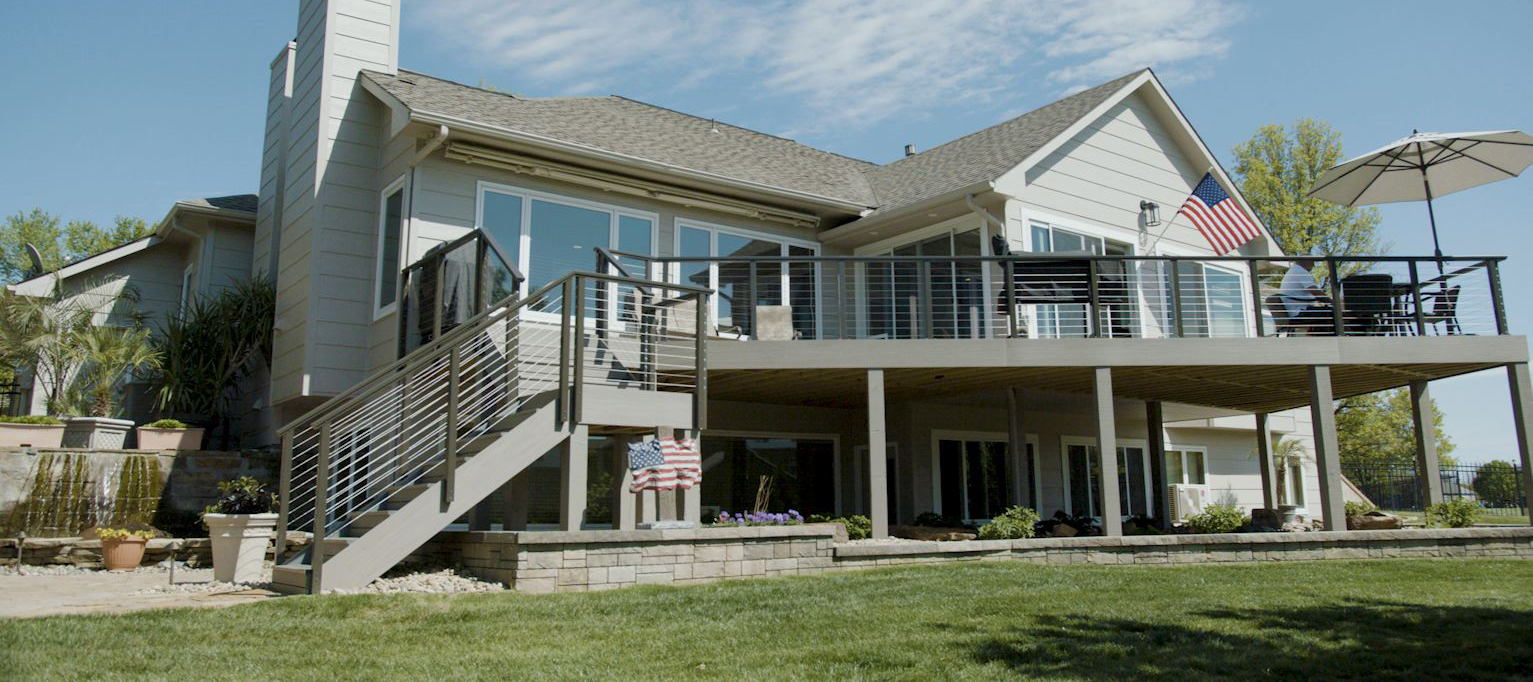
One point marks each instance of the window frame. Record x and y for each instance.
(1064, 474)
(939, 435)
(1242, 276)
(1183, 450)
(1039, 310)
(401, 185)
(673, 270)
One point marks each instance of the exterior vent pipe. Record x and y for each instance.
(910, 150)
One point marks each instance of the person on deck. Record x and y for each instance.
(1308, 306)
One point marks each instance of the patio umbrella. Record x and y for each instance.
(1427, 165)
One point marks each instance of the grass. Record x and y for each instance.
(1395, 619)
(1418, 518)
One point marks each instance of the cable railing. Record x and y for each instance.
(405, 424)
(452, 282)
(1070, 295)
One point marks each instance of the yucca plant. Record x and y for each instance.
(211, 347)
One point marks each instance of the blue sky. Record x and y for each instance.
(120, 108)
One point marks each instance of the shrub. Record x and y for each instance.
(858, 527)
(1359, 508)
(1455, 513)
(32, 419)
(243, 495)
(1218, 518)
(167, 424)
(1496, 484)
(1012, 524)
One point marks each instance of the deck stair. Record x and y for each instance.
(378, 471)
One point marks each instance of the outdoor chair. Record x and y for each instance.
(1369, 304)
(1444, 310)
(1283, 324)
(775, 323)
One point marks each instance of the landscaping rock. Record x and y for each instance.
(1375, 521)
(929, 533)
(445, 581)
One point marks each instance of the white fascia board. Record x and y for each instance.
(399, 114)
(852, 228)
(42, 285)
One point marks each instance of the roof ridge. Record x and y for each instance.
(1016, 118)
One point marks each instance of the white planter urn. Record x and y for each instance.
(239, 545)
(97, 433)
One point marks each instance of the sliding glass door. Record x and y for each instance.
(745, 285)
(901, 295)
(1083, 480)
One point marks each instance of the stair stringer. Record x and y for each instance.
(406, 529)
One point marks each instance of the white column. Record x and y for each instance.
(1522, 418)
(1428, 470)
(1327, 448)
(572, 478)
(1107, 451)
(1264, 461)
(878, 491)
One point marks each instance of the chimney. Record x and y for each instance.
(910, 150)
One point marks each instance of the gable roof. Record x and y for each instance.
(627, 127)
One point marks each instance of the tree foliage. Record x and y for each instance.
(1278, 166)
(57, 245)
(1376, 429)
(1496, 484)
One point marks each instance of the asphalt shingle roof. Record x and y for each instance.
(233, 202)
(625, 126)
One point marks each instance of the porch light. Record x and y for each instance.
(1150, 211)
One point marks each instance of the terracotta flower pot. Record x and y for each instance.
(31, 435)
(123, 554)
(169, 439)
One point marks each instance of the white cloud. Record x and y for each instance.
(850, 62)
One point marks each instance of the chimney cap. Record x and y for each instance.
(910, 150)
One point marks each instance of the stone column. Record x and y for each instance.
(1155, 434)
(572, 478)
(1264, 461)
(1021, 475)
(878, 476)
(1428, 470)
(1107, 451)
(1327, 448)
(1522, 418)
(624, 503)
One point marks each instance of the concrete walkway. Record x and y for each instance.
(107, 592)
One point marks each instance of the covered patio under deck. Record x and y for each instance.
(1248, 375)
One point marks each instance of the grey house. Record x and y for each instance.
(483, 298)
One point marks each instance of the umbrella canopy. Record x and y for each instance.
(1427, 165)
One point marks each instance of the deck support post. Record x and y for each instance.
(1264, 461)
(1327, 448)
(1021, 476)
(1428, 470)
(1522, 418)
(878, 476)
(479, 516)
(625, 503)
(691, 499)
(515, 501)
(647, 503)
(1107, 451)
(1155, 435)
(572, 478)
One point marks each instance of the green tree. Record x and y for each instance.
(83, 238)
(1496, 484)
(1277, 167)
(38, 228)
(1375, 429)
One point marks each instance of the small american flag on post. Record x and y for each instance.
(664, 464)
(1218, 217)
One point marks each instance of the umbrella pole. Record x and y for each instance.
(1436, 248)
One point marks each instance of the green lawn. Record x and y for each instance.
(1417, 518)
(1392, 619)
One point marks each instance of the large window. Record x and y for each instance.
(1083, 479)
(1186, 465)
(975, 476)
(743, 285)
(1117, 287)
(777, 473)
(1213, 301)
(549, 236)
(896, 291)
(391, 226)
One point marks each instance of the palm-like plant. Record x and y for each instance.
(108, 356)
(43, 332)
(1284, 451)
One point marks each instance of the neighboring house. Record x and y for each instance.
(202, 246)
(857, 381)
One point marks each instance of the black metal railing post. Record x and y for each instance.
(1338, 301)
(450, 462)
(1094, 297)
(924, 271)
(1176, 297)
(700, 363)
(841, 304)
(564, 352)
(1256, 298)
(1420, 315)
(577, 382)
(1008, 268)
(750, 305)
(1493, 272)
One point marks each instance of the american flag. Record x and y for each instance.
(1218, 217)
(665, 464)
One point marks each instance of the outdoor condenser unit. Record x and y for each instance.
(1186, 500)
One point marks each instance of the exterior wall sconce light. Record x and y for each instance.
(1150, 211)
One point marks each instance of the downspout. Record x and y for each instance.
(408, 238)
(1000, 227)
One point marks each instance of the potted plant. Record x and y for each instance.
(108, 356)
(240, 524)
(123, 549)
(169, 434)
(35, 431)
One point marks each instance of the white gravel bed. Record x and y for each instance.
(70, 569)
(200, 581)
(443, 581)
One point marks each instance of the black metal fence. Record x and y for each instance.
(1496, 486)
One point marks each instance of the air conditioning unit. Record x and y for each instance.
(1186, 500)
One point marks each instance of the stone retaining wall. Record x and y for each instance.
(597, 560)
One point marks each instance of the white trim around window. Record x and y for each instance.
(524, 247)
(1144, 449)
(401, 186)
(673, 273)
(1182, 452)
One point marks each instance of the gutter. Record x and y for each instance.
(968, 200)
(857, 226)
